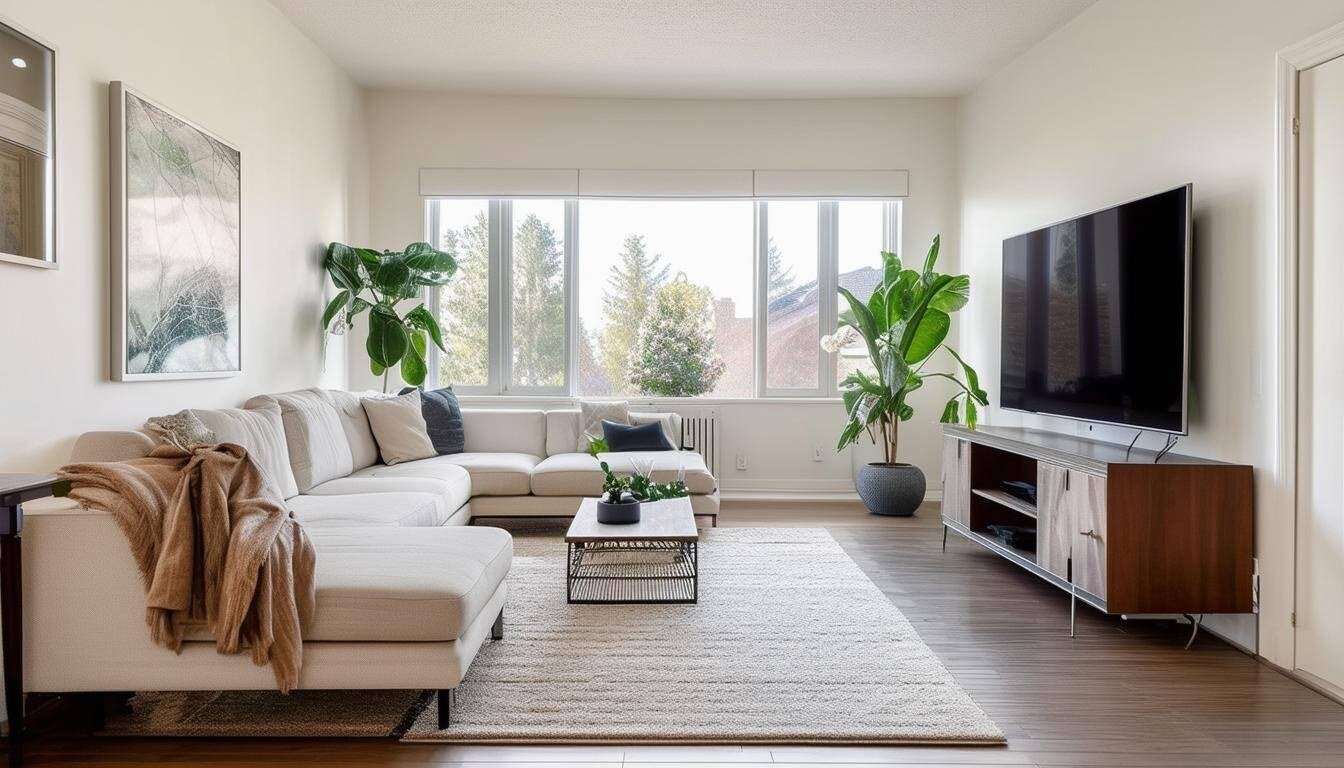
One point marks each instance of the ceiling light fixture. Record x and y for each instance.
(18, 62)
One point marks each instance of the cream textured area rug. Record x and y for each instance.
(791, 643)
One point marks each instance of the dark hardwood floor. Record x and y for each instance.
(1121, 694)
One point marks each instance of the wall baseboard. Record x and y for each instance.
(796, 490)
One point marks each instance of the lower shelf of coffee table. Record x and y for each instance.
(633, 572)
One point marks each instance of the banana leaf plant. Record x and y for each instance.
(378, 281)
(904, 323)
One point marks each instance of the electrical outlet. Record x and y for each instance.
(816, 454)
(741, 462)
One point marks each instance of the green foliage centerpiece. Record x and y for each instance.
(902, 325)
(378, 282)
(621, 496)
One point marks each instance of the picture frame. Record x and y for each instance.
(176, 244)
(27, 148)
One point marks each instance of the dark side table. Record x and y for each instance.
(14, 491)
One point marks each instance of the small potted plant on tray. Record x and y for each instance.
(621, 496)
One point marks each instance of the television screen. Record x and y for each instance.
(1095, 315)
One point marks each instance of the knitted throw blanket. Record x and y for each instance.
(216, 548)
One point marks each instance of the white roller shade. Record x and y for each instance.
(823, 184)
(816, 184)
(499, 182)
(664, 183)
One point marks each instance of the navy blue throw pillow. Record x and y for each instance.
(644, 437)
(443, 419)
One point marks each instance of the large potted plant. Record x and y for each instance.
(379, 282)
(904, 323)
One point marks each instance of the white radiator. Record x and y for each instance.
(700, 433)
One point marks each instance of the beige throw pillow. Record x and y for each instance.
(591, 415)
(399, 427)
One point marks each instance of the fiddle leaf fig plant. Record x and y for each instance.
(379, 282)
(902, 325)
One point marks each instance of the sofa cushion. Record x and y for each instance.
(452, 489)
(591, 415)
(578, 474)
(318, 449)
(490, 430)
(262, 432)
(399, 427)
(562, 428)
(623, 438)
(355, 422)
(492, 474)
(670, 422)
(443, 419)
(404, 585)
(369, 509)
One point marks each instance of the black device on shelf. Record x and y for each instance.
(1015, 536)
(1020, 489)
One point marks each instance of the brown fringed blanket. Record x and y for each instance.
(216, 547)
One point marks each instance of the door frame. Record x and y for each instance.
(1289, 63)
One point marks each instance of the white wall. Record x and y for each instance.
(410, 130)
(243, 71)
(1132, 97)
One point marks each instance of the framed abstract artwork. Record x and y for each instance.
(27, 149)
(176, 245)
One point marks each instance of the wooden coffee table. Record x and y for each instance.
(656, 560)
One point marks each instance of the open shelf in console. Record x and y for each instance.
(991, 505)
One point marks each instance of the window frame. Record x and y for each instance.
(500, 310)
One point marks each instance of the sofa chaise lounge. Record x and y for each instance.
(407, 589)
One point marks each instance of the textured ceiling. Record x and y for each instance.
(679, 48)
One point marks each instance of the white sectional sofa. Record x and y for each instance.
(407, 589)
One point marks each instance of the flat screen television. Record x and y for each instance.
(1096, 316)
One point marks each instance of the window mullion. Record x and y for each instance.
(572, 340)
(760, 298)
(501, 234)
(828, 280)
(431, 294)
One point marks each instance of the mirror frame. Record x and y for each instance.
(52, 262)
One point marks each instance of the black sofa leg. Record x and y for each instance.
(93, 707)
(497, 630)
(445, 707)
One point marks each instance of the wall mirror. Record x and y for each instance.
(27, 150)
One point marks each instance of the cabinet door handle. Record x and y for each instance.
(1066, 479)
(1091, 533)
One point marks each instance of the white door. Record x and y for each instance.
(1320, 420)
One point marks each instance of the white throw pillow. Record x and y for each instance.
(399, 427)
(591, 415)
(262, 432)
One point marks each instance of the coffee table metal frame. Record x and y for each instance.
(650, 563)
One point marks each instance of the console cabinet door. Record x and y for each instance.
(957, 480)
(1087, 498)
(1055, 528)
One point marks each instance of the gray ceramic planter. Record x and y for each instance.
(891, 489)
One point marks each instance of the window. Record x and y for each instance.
(864, 228)
(665, 298)
(793, 313)
(651, 298)
(462, 227)
(537, 295)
